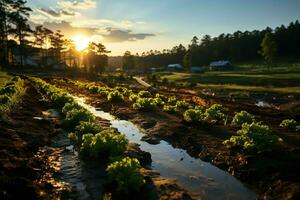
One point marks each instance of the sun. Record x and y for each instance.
(81, 42)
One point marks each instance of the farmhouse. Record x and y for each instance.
(220, 65)
(175, 67)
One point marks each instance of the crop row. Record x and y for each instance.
(95, 142)
(252, 136)
(11, 94)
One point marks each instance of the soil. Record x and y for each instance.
(273, 175)
(29, 165)
(20, 139)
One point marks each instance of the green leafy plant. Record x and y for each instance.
(70, 106)
(182, 104)
(162, 97)
(126, 173)
(147, 104)
(75, 116)
(133, 97)
(115, 96)
(172, 100)
(194, 115)
(289, 123)
(144, 94)
(85, 127)
(215, 112)
(242, 117)
(105, 143)
(94, 89)
(4, 99)
(253, 137)
(169, 108)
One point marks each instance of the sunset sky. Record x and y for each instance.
(141, 25)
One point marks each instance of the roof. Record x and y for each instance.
(219, 63)
(175, 65)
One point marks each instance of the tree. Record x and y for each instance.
(187, 61)
(4, 27)
(96, 59)
(128, 61)
(57, 42)
(268, 48)
(18, 17)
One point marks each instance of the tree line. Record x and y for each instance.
(239, 46)
(18, 41)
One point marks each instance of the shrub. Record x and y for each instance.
(126, 173)
(86, 145)
(253, 137)
(241, 118)
(172, 100)
(73, 137)
(103, 92)
(73, 117)
(144, 94)
(215, 112)
(182, 104)
(94, 89)
(8, 89)
(169, 108)
(115, 96)
(60, 98)
(193, 115)
(133, 97)
(289, 123)
(159, 101)
(162, 97)
(4, 99)
(85, 127)
(70, 106)
(105, 143)
(148, 104)
(124, 91)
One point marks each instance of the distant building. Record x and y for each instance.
(220, 65)
(196, 69)
(175, 67)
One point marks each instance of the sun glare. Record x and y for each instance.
(81, 42)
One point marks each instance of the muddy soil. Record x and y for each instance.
(20, 139)
(29, 166)
(274, 175)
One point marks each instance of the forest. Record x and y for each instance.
(236, 47)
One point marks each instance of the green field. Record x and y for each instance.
(284, 82)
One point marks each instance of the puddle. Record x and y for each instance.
(85, 180)
(263, 104)
(195, 175)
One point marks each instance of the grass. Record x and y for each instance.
(283, 90)
(4, 77)
(238, 78)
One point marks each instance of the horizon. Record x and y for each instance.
(143, 25)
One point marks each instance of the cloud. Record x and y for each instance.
(116, 35)
(68, 30)
(59, 13)
(77, 5)
(106, 23)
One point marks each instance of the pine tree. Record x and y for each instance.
(268, 48)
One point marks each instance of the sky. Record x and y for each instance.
(141, 25)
